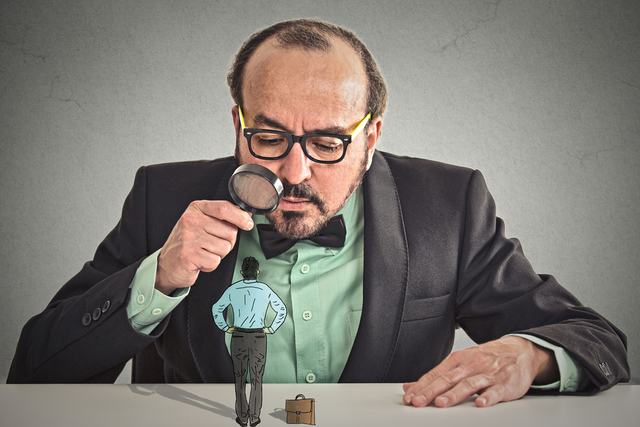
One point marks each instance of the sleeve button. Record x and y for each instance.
(106, 306)
(97, 313)
(86, 319)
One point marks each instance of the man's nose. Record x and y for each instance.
(296, 166)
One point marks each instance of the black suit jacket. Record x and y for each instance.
(435, 257)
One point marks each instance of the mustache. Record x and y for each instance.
(302, 191)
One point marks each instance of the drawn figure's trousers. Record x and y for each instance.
(249, 351)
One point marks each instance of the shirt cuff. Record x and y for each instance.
(147, 306)
(570, 371)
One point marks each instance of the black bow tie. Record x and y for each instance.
(273, 243)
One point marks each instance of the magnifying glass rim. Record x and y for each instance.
(262, 172)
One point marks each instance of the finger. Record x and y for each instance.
(423, 391)
(196, 249)
(463, 389)
(192, 261)
(181, 260)
(491, 396)
(457, 367)
(225, 211)
(448, 364)
(407, 386)
(426, 394)
(413, 391)
(221, 230)
(195, 226)
(208, 248)
(207, 260)
(197, 242)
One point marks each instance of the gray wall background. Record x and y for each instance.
(543, 96)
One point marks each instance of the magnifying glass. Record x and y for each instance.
(255, 189)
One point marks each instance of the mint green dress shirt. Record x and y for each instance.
(322, 289)
(323, 295)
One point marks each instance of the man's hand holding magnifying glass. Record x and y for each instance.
(206, 232)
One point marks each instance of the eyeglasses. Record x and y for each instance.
(267, 144)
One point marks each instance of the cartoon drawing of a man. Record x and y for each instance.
(250, 300)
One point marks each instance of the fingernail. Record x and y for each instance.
(482, 401)
(420, 401)
(408, 398)
(249, 225)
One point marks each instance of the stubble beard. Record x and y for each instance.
(301, 225)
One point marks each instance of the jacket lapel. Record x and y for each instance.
(385, 278)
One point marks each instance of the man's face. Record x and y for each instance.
(303, 92)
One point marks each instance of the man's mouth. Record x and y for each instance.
(299, 198)
(294, 203)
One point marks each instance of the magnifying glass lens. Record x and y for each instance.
(255, 189)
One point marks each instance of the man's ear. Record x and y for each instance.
(373, 133)
(236, 120)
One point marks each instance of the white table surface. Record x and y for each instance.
(336, 405)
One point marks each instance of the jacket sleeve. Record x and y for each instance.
(84, 334)
(499, 293)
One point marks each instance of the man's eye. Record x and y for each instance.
(271, 139)
(325, 144)
(326, 147)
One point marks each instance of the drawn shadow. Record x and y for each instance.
(279, 414)
(179, 395)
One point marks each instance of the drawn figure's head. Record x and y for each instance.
(250, 268)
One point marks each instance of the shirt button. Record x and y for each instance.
(140, 299)
(306, 315)
(305, 268)
(311, 378)
(156, 311)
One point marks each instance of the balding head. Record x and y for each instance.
(310, 35)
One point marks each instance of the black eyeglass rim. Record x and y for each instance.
(302, 140)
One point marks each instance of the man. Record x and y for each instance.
(250, 300)
(423, 253)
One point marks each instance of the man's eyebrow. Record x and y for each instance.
(261, 120)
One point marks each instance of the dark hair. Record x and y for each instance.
(250, 268)
(310, 34)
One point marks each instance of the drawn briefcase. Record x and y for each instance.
(301, 410)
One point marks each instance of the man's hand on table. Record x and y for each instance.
(498, 371)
